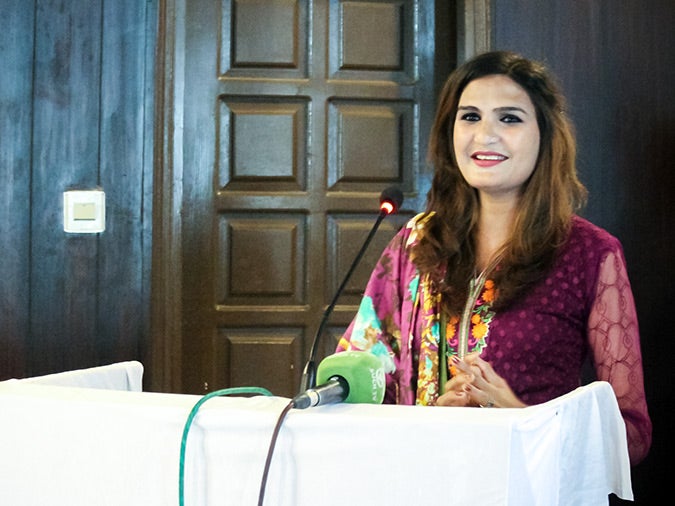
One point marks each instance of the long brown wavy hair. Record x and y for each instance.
(552, 194)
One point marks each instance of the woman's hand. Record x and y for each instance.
(477, 384)
(456, 391)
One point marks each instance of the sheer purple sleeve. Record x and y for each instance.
(614, 339)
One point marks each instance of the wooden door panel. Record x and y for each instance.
(298, 114)
(256, 356)
(370, 144)
(374, 40)
(261, 260)
(345, 236)
(264, 38)
(263, 143)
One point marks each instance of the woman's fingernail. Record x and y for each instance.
(456, 359)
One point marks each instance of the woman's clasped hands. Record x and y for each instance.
(475, 383)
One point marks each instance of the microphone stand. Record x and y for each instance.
(308, 379)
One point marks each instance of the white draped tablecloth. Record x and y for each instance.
(73, 446)
(119, 376)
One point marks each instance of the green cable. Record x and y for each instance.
(188, 423)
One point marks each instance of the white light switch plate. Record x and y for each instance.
(84, 211)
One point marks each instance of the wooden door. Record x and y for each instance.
(296, 115)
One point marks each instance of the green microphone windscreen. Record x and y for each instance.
(363, 372)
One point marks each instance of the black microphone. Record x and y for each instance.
(355, 377)
(334, 391)
(390, 202)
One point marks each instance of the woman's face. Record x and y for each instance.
(496, 136)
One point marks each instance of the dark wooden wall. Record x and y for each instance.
(76, 110)
(616, 63)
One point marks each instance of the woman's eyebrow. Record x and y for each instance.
(510, 108)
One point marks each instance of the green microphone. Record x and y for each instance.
(355, 377)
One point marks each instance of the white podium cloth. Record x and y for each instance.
(120, 376)
(80, 446)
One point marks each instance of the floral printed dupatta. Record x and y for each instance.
(461, 335)
(399, 320)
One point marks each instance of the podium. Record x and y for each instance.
(73, 439)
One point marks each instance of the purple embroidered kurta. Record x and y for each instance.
(538, 345)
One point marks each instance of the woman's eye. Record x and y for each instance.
(470, 116)
(511, 118)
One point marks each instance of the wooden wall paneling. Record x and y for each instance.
(65, 156)
(123, 267)
(473, 20)
(75, 75)
(198, 158)
(636, 82)
(150, 40)
(616, 64)
(16, 78)
(163, 354)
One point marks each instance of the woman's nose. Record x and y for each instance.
(486, 133)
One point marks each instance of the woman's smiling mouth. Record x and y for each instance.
(487, 159)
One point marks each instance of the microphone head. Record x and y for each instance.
(363, 372)
(391, 199)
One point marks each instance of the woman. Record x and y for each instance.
(496, 295)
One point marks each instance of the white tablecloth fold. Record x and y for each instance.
(119, 376)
